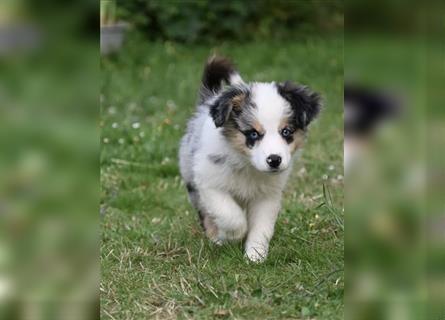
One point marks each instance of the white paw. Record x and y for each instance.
(218, 242)
(256, 254)
(235, 231)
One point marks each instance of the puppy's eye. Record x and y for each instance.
(286, 132)
(253, 135)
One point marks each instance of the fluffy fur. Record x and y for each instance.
(238, 151)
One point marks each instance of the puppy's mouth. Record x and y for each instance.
(272, 171)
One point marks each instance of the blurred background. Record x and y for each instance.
(394, 213)
(49, 142)
(208, 21)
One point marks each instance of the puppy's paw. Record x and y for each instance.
(218, 242)
(256, 254)
(236, 232)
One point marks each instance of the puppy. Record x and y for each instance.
(237, 153)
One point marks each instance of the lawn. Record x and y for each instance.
(155, 260)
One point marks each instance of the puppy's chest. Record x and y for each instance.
(245, 186)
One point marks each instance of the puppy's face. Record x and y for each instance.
(266, 122)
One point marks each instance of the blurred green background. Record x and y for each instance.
(49, 141)
(207, 21)
(393, 211)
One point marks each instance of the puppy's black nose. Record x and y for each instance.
(273, 161)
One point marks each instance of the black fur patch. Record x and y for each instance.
(190, 187)
(290, 138)
(305, 104)
(250, 142)
(217, 70)
(369, 108)
(194, 198)
(217, 158)
(221, 109)
(201, 219)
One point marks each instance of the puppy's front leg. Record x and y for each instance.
(227, 216)
(262, 216)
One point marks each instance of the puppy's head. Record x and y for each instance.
(265, 122)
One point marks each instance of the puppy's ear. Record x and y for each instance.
(305, 103)
(230, 101)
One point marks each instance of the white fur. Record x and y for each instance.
(235, 79)
(271, 108)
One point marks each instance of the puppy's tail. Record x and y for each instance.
(217, 70)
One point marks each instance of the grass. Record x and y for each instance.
(155, 261)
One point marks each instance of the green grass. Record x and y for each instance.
(155, 260)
